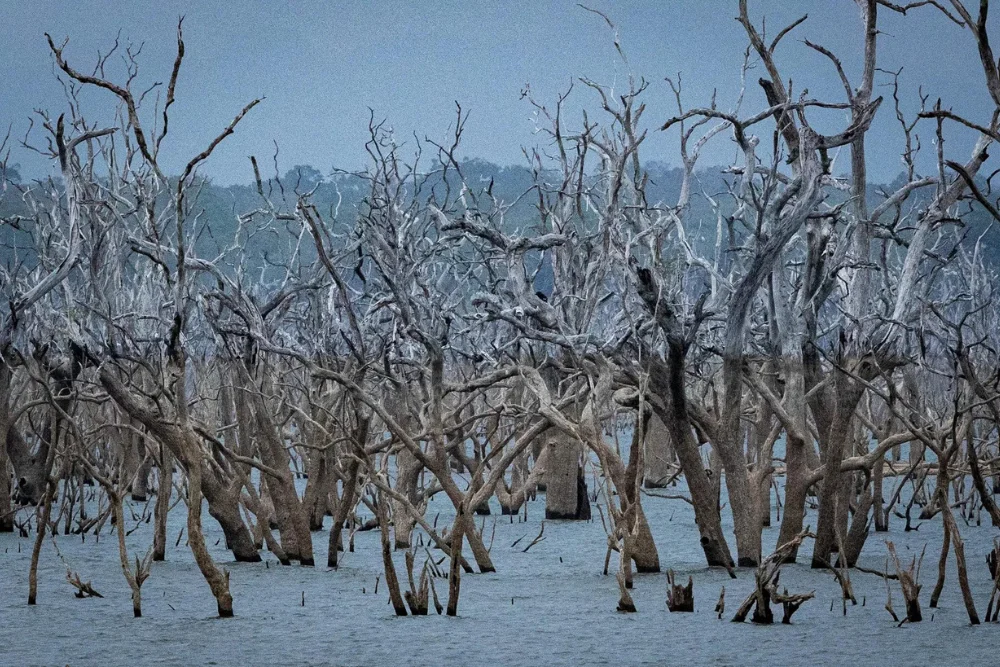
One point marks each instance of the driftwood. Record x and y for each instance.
(83, 588)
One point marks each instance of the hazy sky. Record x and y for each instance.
(321, 65)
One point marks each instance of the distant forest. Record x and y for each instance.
(344, 193)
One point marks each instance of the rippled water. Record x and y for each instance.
(550, 606)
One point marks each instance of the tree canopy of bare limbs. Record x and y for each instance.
(428, 342)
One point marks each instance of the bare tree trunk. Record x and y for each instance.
(218, 580)
(408, 470)
(562, 473)
(879, 509)
(224, 507)
(163, 493)
(667, 382)
(659, 454)
(45, 511)
(522, 484)
(942, 567)
(140, 483)
(796, 488)
(848, 393)
(6, 509)
(391, 580)
(639, 539)
(857, 534)
(223, 500)
(963, 574)
(479, 550)
(317, 488)
(30, 470)
(844, 496)
(344, 507)
(293, 522)
(641, 546)
(455, 570)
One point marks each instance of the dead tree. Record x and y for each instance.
(908, 579)
(679, 598)
(766, 587)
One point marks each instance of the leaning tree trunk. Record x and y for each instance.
(44, 513)
(224, 507)
(641, 546)
(391, 580)
(223, 500)
(857, 534)
(293, 522)
(218, 580)
(667, 382)
(639, 540)
(50, 437)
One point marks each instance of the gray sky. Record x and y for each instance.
(322, 64)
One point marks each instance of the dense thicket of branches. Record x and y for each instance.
(422, 343)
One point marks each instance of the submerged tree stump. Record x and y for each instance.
(908, 583)
(790, 603)
(766, 587)
(83, 588)
(625, 602)
(418, 597)
(679, 598)
(762, 613)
